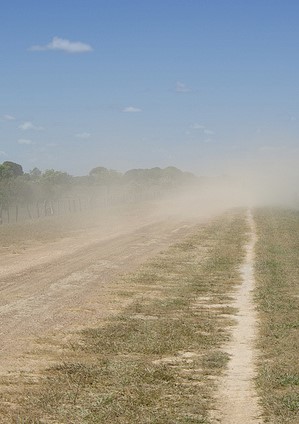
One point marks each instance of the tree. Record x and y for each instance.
(15, 168)
(56, 177)
(5, 172)
(102, 175)
(35, 174)
(55, 183)
(144, 176)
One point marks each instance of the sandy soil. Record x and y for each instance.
(51, 290)
(238, 402)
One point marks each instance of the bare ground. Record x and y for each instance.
(50, 290)
(158, 358)
(238, 402)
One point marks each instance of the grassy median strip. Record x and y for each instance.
(277, 297)
(157, 361)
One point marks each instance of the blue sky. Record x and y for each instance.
(197, 84)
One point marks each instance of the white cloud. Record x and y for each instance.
(197, 127)
(9, 118)
(64, 45)
(24, 141)
(30, 126)
(2, 153)
(83, 135)
(180, 87)
(131, 109)
(202, 128)
(208, 132)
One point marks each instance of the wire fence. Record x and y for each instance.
(71, 204)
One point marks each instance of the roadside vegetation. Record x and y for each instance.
(277, 298)
(157, 361)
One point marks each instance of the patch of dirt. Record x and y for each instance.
(237, 399)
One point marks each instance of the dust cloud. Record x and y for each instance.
(54, 204)
(261, 185)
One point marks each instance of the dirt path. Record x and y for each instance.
(63, 287)
(238, 403)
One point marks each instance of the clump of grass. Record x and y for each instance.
(153, 362)
(277, 297)
(215, 359)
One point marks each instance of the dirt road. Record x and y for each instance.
(70, 284)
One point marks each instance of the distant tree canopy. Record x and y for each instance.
(101, 175)
(10, 169)
(169, 176)
(19, 187)
(52, 177)
(35, 173)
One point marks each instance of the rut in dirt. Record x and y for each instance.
(238, 401)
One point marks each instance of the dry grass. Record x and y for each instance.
(157, 361)
(277, 297)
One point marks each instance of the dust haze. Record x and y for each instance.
(268, 181)
(56, 201)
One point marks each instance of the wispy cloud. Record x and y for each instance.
(202, 128)
(197, 127)
(8, 118)
(30, 126)
(181, 87)
(25, 141)
(83, 135)
(64, 45)
(131, 109)
(2, 153)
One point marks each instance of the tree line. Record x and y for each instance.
(38, 193)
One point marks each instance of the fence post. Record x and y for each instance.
(28, 211)
(37, 209)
